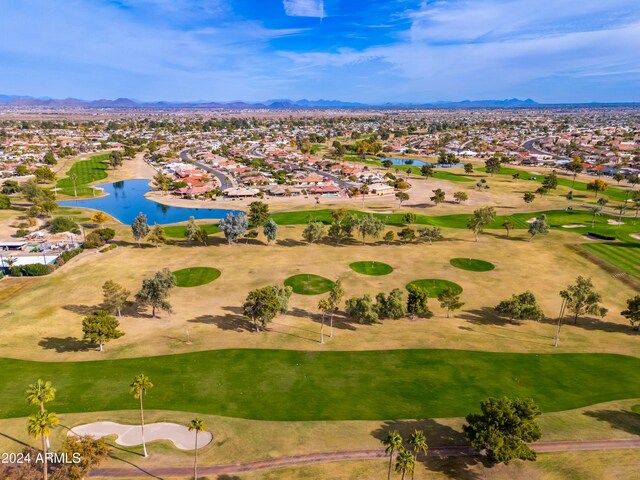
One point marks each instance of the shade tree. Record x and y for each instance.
(522, 306)
(233, 226)
(155, 291)
(100, 327)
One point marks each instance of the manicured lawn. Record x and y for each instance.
(88, 171)
(435, 286)
(371, 268)
(295, 385)
(179, 231)
(625, 256)
(195, 276)
(472, 264)
(307, 284)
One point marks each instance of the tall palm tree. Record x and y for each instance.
(73, 178)
(364, 190)
(196, 424)
(40, 393)
(418, 443)
(41, 424)
(595, 211)
(566, 296)
(405, 462)
(393, 441)
(335, 297)
(139, 387)
(324, 306)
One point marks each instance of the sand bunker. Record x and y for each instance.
(635, 235)
(573, 225)
(614, 222)
(531, 220)
(130, 435)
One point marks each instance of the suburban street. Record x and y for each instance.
(225, 181)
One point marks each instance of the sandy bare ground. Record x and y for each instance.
(573, 225)
(454, 451)
(635, 235)
(614, 222)
(131, 435)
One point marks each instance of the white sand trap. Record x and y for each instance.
(130, 435)
(573, 225)
(635, 235)
(531, 220)
(614, 222)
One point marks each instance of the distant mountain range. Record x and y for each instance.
(282, 104)
(276, 104)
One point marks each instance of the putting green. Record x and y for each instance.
(308, 284)
(290, 385)
(195, 276)
(472, 264)
(371, 268)
(434, 286)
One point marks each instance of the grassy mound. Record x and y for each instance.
(371, 268)
(196, 276)
(305, 386)
(472, 264)
(87, 171)
(307, 284)
(434, 286)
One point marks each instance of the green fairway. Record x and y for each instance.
(472, 264)
(179, 231)
(371, 268)
(435, 286)
(87, 171)
(195, 276)
(438, 172)
(625, 256)
(296, 385)
(307, 284)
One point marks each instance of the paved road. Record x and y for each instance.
(455, 451)
(225, 181)
(529, 146)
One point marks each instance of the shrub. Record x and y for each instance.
(108, 247)
(69, 254)
(63, 224)
(5, 202)
(93, 240)
(31, 270)
(22, 232)
(105, 233)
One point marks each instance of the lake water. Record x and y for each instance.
(419, 163)
(125, 200)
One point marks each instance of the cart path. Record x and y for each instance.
(453, 451)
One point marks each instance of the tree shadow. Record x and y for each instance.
(594, 324)
(68, 344)
(13, 439)
(82, 309)
(624, 420)
(230, 322)
(340, 321)
(484, 316)
(290, 242)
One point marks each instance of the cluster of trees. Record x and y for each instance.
(363, 310)
(406, 455)
(141, 229)
(101, 326)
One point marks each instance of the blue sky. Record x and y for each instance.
(369, 51)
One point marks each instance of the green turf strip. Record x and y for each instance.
(179, 231)
(435, 286)
(472, 264)
(625, 256)
(371, 268)
(195, 276)
(307, 284)
(295, 385)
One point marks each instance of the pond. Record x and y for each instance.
(125, 200)
(419, 163)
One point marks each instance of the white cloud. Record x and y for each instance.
(304, 8)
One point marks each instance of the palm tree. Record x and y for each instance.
(364, 190)
(418, 443)
(595, 211)
(40, 393)
(196, 424)
(324, 306)
(405, 462)
(335, 297)
(393, 441)
(139, 387)
(73, 178)
(41, 424)
(566, 296)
